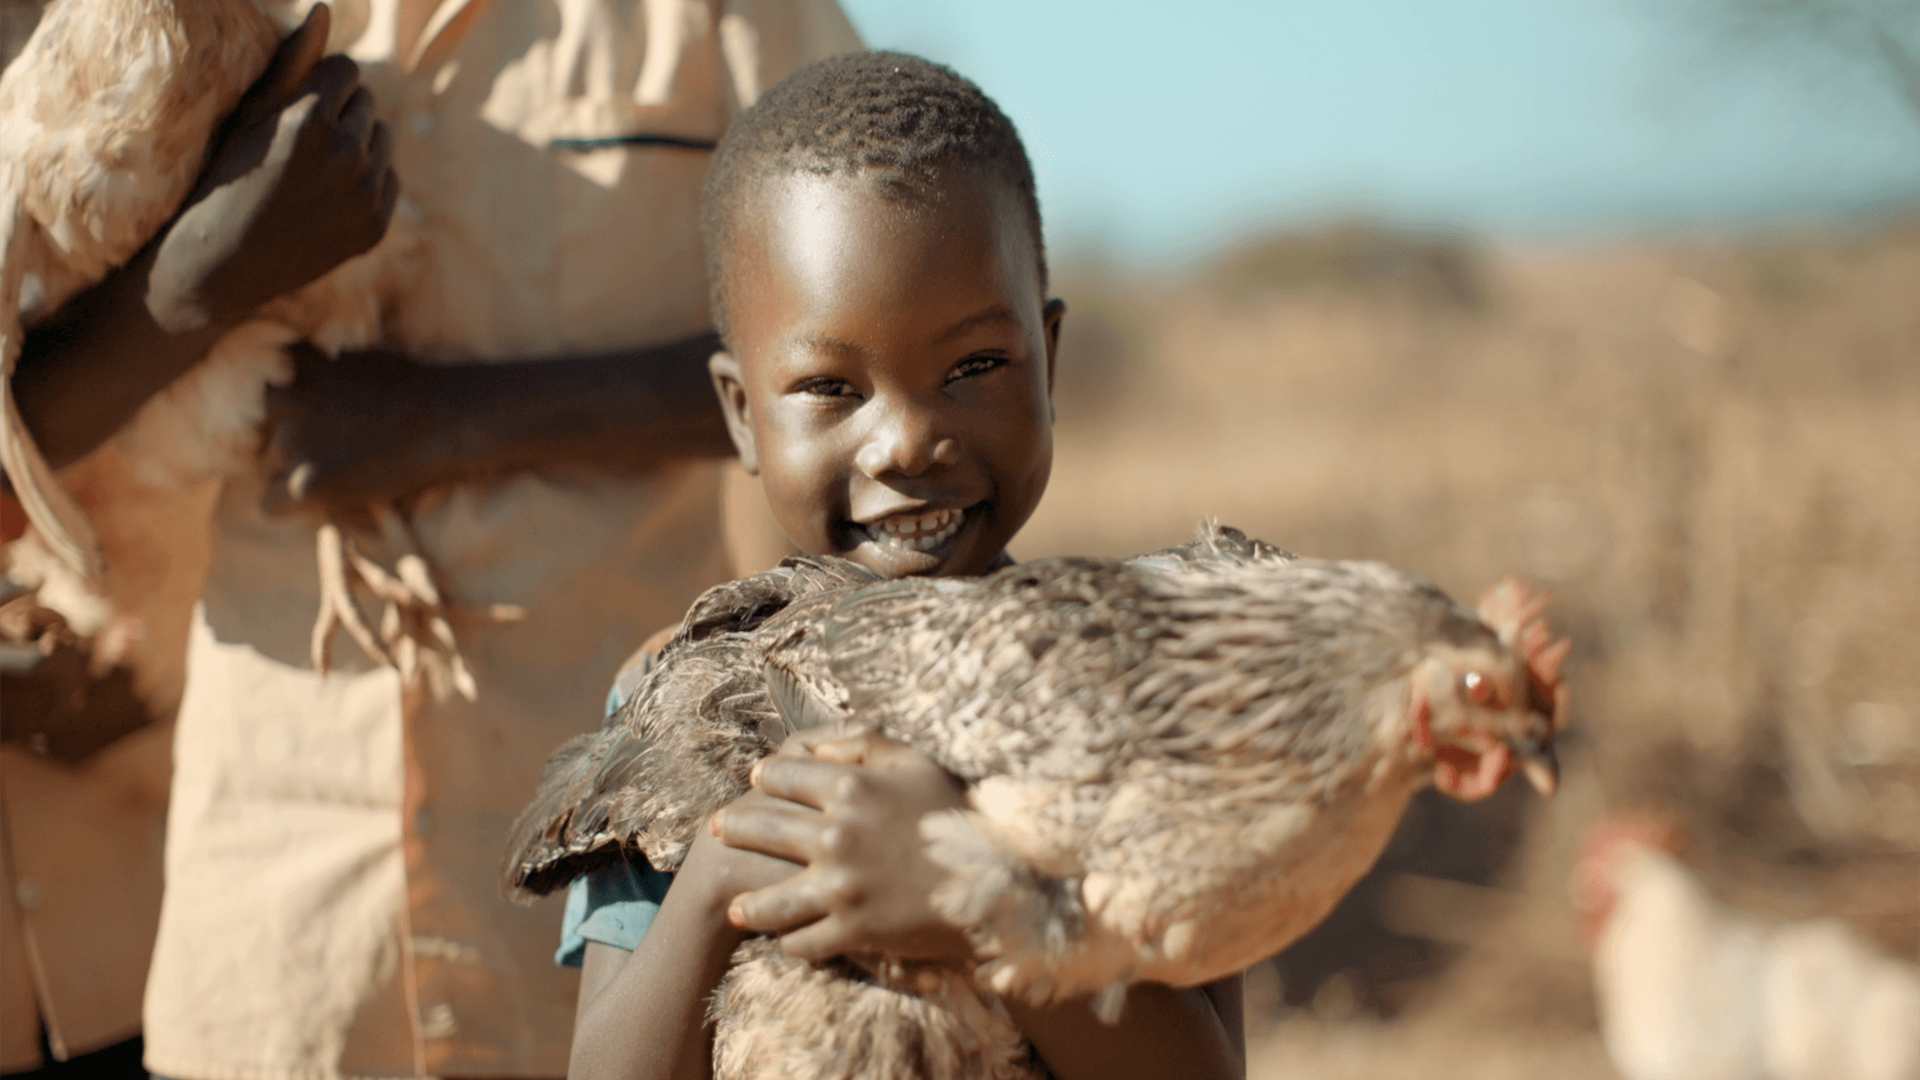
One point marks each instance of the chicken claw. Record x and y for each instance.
(415, 634)
(337, 607)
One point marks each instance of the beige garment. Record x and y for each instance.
(82, 848)
(332, 850)
(80, 840)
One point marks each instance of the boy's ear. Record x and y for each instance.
(1050, 316)
(731, 384)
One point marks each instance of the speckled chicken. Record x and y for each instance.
(106, 116)
(1176, 765)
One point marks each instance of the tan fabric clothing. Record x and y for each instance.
(332, 850)
(82, 845)
(80, 887)
(19, 1012)
(80, 840)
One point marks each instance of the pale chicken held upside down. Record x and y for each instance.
(1176, 765)
(106, 118)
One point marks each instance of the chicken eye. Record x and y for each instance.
(1480, 690)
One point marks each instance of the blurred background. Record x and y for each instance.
(1621, 295)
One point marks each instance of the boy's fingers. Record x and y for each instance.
(805, 780)
(864, 747)
(380, 172)
(379, 152)
(797, 745)
(818, 941)
(804, 741)
(389, 194)
(784, 832)
(859, 748)
(776, 909)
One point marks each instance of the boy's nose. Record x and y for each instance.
(905, 447)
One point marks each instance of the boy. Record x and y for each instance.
(875, 255)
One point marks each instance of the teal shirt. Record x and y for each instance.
(613, 905)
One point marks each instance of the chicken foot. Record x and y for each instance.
(415, 631)
(1031, 930)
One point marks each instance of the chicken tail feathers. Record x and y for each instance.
(563, 834)
(575, 823)
(682, 745)
(62, 526)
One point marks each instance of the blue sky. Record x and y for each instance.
(1159, 130)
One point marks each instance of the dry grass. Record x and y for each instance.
(1712, 452)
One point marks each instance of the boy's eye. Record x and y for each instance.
(975, 365)
(822, 386)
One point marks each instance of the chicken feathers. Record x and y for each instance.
(1176, 765)
(105, 116)
(1689, 988)
(657, 767)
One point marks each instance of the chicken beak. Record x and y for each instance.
(1537, 760)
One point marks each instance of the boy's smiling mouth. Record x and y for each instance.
(914, 532)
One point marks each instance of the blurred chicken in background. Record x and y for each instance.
(1691, 989)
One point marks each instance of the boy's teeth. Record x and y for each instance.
(916, 532)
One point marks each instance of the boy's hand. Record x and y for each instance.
(298, 183)
(850, 809)
(719, 873)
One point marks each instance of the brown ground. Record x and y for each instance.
(1710, 451)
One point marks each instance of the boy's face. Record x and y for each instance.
(894, 368)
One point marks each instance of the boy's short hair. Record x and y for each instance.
(896, 117)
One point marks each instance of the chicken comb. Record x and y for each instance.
(1516, 609)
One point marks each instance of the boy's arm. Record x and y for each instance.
(642, 1015)
(297, 184)
(851, 813)
(1162, 1032)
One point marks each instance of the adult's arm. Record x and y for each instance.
(297, 184)
(376, 426)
